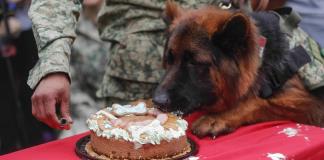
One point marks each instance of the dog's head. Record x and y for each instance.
(210, 58)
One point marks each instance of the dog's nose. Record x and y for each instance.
(161, 99)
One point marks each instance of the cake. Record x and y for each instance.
(136, 132)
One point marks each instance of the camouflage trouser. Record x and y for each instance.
(133, 71)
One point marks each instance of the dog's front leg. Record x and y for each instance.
(247, 112)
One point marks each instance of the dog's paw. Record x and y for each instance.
(212, 126)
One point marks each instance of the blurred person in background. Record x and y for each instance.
(18, 130)
(88, 59)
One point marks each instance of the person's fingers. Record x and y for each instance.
(65, 112)
(50, 91)
(36, 107)
(50, 112)
(42, 111)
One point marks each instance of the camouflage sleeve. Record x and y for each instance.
(54, 23)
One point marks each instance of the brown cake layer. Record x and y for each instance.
(121, 149)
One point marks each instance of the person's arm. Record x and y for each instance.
(54, 23)
(274, 4)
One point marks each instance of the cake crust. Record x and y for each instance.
(120, 149)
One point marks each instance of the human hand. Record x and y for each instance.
(52, 91)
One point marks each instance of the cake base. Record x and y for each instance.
(85, 151)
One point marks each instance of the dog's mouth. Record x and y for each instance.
(183, 101)
(177, 110)
(161, 108)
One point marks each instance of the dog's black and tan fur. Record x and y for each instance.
(212, 63)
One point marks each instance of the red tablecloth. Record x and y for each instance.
(255, 142)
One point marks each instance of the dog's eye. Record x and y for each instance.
(195, 63)
(192, 62)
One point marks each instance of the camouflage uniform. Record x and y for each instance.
(135, 29)
(312, 73)
(88, 58)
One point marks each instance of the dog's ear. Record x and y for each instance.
(234, 34)
(171, 12)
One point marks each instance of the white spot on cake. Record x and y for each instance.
(276, 156)
(290, 132)
(192, 158)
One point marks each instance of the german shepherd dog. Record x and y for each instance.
(212, 62)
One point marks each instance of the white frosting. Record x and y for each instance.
(182, 124)
(93, 125)
(107, 125)
(120, 110)
(116, 133)
(276, 156)
(152, 133)
(107, 114)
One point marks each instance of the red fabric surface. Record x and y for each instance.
(57, 150)
(255, 142)
(252, 142)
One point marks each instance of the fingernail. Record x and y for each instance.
(63, 121)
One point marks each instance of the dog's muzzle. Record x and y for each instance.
(161, 99)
